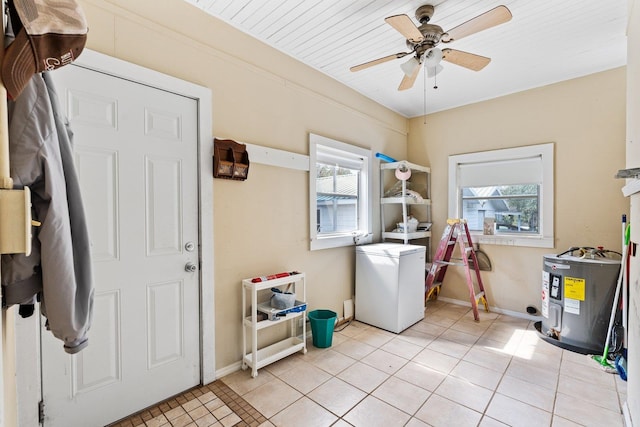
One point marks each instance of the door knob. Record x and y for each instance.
(190, 267)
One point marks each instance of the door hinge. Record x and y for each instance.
(41, 412)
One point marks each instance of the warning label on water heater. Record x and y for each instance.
(574, 288)
(571, 306)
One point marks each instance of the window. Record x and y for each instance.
(340, 193)
(509, 189)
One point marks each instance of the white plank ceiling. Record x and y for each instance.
(547, 41)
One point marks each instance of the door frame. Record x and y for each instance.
(27, 331)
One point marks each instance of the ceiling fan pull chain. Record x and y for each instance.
(425, 95)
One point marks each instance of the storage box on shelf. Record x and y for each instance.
(404, 199)
(252, 306)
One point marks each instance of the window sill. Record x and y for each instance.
(338, 241)
(513, 240)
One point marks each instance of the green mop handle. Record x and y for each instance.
(625, 249)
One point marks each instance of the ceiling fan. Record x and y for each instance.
(422, 42)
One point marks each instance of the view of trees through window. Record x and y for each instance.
(514, 207)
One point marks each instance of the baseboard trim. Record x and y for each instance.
(498, 310)
(627, 415)
(228, 369)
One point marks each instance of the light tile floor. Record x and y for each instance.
(446, 370)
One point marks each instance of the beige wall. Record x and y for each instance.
(633, 161)
(585, 118)
(263, 97)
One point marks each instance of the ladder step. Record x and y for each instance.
(449, 263)
(479, 295)
(458, 261)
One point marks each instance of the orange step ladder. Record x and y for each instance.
(456, 231)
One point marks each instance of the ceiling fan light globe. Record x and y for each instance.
(432, 71)
(409, 67)
(433, 57)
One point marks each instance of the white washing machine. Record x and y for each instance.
(390, 285)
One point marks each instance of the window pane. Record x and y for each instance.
(336, 199)
(514, 207)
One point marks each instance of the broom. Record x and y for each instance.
(602, 360)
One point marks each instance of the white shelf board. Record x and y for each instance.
(247, 283)
(267, 323)
(275, 352)
(410, 165)
(401, 236)
(407, 200)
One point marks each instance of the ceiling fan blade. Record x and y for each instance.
(465, 59)
(496, 16)
(405, 26)
(408, 80)
(379, 61)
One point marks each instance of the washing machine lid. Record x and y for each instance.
(393, 250)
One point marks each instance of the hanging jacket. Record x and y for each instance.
(59, 267)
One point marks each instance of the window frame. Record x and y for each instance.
(364, 233)
(545, 238)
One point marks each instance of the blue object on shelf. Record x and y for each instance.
(385, 158)
(276, 314)
(300, 306)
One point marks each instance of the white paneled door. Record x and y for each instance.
(136, 156)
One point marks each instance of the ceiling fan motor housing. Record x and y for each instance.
(432, 33)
